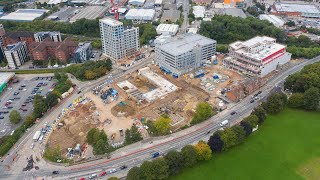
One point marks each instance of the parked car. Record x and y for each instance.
(55, 172)
(103, 174)
(1, 117)
(16, 93)
(112, 171)
(123, 167)
(252, 101)
(92, 176)
(233, 113)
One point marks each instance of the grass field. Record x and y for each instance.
(287, 146)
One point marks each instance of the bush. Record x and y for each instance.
(15, 117)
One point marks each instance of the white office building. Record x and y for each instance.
(184, 53)
(257, 56)
(16, 54)
(117, 41)
(54, 36)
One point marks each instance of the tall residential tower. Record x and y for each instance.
(117, 40)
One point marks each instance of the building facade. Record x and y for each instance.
(16, 54)
(20, 36)
(62, 51)
(185, 53)
(83, 53)
(118, 42)
(54, 36)
(258, 56)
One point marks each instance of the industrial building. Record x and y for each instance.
(184, 53)
(54, 36)
(16, 54)
(257, 56)
(296, 10)
(198, 11)
(5, 78)
(140, 15)
(170, 29)
(272, 19)
(90, 12)
(118, 42)
(170, 16)
(24, 15)
(83, 53)
(136, 2)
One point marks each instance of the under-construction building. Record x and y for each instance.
(184, 53)
(118, 41)
(257, 56)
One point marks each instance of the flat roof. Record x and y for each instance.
(185, 43)
(141, 14)
(24, 15)
(171, 28)
(269, 49)
(111, 22)
(272, 18)
(90, 12)
(5, 77)
(303, 8)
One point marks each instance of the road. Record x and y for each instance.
(185, 16)
(137, 153)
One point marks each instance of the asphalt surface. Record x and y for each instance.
(136, 157)
(17, 100)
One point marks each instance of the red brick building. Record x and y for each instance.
(62, 51)
(14, 37)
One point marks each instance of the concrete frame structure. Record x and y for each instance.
(184, 53)
(16, 54)
(118, 42)
(257, 56)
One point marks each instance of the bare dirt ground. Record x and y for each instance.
(105, 113)
(77, 122)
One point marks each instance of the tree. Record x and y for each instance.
(132, 135)
(52, 99)
(203, 112)
(260, 113)
(253, 120)
(29, 121)
(229, 138)
(99, 141)
(246, 127)
(134, 174)
(275, 103)
(189, 155)
(146, 32)
(39, 106)
(296, 100)
(240, 133)
(203, 151)
(311, 99)
(175, 162)
(15, 117)
(215, 142)
(89, 75)
(162, 125)
(155, 170)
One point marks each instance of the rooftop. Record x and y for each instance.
(5, 77)
(268, 44)
(273, 19)
(18, 34)
(185, 43)
(143, 14)
(303, 8)
(171, 28)
(24, 15)
(111, 22)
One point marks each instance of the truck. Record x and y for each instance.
(223, 123)
(36, 136)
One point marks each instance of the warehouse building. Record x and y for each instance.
(16, 54)
(296, 10)
(184, 53)
(199, 11)
(136, 2)
(170, 29)
(90, 12)
(170, 16)
(272, 19)
(257, 56)
(118, 42)
(140, 15)
(5, 78)
(24, 15)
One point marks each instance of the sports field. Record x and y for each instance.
(286, 147)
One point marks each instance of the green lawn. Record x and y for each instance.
(286, 146)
